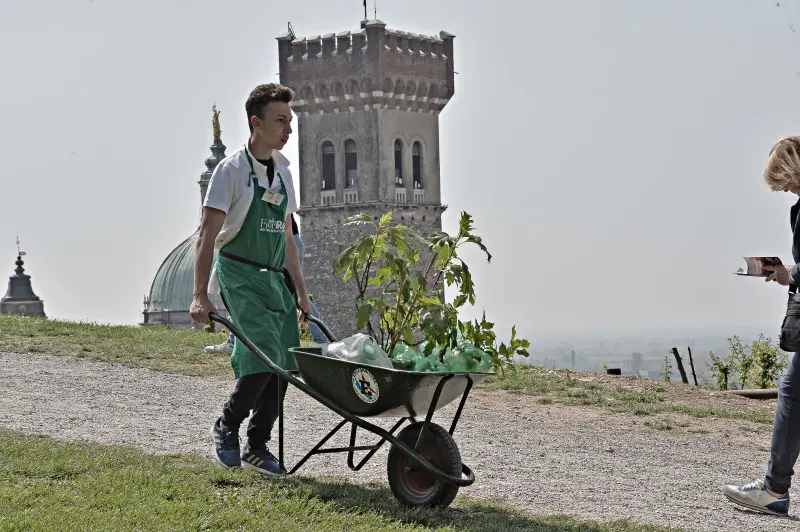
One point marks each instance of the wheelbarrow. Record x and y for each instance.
(424, 465)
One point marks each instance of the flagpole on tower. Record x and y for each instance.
(365, 9)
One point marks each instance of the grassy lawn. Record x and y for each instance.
(161, 349)
(156, 348)
(564, 388)
(51, 485)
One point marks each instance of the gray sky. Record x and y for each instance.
(610, 152)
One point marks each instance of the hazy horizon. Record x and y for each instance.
(611, 155)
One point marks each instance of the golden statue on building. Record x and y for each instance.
(215, 123)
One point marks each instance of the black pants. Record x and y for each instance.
(257, 392)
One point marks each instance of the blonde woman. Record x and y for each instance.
(771, 494)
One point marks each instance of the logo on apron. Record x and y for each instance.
(365, 385)
(273, 226)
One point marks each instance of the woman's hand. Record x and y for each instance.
(780, 274)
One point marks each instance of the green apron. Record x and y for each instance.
(250, 272)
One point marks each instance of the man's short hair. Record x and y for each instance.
(262, 95)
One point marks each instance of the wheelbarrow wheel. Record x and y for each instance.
(417, 487)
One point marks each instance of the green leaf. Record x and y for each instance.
(363, 315)
(358, 219)
(429, 301)
(460, 300)
(479, 242)
(375, 281)
(465, 224)
(408, 336)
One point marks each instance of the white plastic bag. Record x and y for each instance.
(361, 349)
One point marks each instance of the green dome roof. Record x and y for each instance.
(173, 284)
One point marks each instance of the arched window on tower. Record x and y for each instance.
(350, 164)
(398, 162)
(328, 166)
(416, 160)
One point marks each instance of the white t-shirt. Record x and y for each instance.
(228, 190)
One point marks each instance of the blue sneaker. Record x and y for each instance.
(261, 460)
(755, 497)
(226, 445)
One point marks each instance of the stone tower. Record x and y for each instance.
(20, 298)
(367, 106)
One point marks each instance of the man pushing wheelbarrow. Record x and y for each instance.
(247, 217)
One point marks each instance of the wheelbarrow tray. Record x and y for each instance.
(374, 391)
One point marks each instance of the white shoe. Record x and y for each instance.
(224, 347)
(755, 497)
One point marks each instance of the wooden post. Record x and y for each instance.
(684, 378)
(691, 363)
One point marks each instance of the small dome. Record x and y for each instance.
(172, 286)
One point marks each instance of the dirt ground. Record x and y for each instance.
(663, 468)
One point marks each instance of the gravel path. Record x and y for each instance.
(542, 458)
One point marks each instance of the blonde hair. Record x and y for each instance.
(783, 164)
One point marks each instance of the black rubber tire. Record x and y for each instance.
(418, 488)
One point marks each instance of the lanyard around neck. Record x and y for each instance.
(252, 175)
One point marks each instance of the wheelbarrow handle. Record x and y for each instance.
(290, 284)
(318, 322)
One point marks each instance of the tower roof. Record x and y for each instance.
(372, 68)
(19, 285)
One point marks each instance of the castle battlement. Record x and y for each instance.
(374, 68)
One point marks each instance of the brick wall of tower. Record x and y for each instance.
(325, 237)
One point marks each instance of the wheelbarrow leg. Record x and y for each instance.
(280, 420)
(372, 449)
(428, 417)
(461, 405)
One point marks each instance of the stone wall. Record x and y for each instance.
(325, 237)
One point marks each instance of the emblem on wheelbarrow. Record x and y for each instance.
(365, 385)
